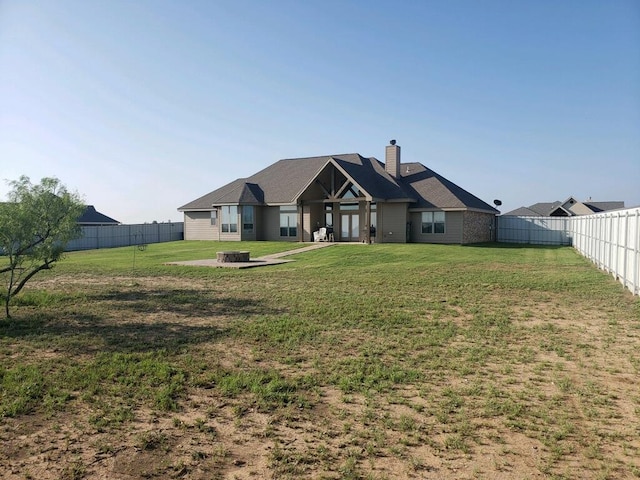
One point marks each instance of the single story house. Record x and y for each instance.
(569, 208)
(91, 218)
(358, 199)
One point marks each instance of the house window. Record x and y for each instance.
(229, 219)
(328, 215)
(247, 218)
(214, 217)
(349, 206)
(289, 221)
(433, 222)
(351, 192)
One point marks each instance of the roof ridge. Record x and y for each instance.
(332, 155)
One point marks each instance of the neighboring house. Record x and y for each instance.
(569, 208)
(91, 218)
(289, 200)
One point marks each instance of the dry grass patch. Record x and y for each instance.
(352, 362)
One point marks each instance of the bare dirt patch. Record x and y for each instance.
(557, 399)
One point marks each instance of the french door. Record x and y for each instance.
(350, 227)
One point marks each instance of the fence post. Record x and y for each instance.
(624, 246)
(636, 254)
(616, 246)
(610, 242)
(594, 239)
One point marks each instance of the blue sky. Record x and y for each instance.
(143, 106)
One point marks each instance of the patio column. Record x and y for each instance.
(367, 221)
(301, 220)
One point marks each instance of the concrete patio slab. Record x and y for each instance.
(273, 259)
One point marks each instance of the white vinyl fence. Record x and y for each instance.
(611, 240)
(109, 236)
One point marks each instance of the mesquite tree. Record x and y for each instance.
(35, 225)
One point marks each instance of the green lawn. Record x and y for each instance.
(354, 361)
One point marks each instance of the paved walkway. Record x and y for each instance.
(273, 259)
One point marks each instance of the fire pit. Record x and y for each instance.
(232, 256)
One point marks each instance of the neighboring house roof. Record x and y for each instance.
(545, 209)
(91, 216)
(284, 181)
(525, 212)
(604, 206)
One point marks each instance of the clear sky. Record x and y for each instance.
(144, 105)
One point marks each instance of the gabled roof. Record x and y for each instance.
(284, 181)
(91, 216)
(561, 211)
(370, 174)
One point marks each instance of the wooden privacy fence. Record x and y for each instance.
(109, 236)
(611, 240)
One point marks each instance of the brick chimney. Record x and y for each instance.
(392, 159)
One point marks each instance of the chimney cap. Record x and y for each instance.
(392, 142)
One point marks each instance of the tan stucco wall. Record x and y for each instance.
(460, 227)
(312, 219)
(197, 226)
(453, 229)
(271, 222)
(580, 208)
(392, 223)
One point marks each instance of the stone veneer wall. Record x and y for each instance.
(232, 256)
(478, 227)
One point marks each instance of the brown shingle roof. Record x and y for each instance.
(283, 181)
(434, 191)
(228, 194)
(370, 174)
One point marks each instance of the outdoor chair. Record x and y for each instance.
(320, 235)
